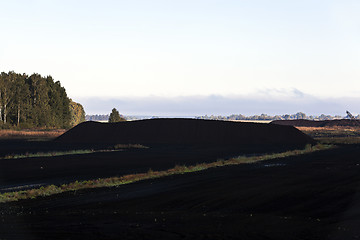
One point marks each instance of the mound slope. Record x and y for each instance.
(326, 123)
(184, 131)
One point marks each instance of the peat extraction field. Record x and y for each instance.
(185, 179)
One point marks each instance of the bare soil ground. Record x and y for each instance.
(307, 197)
(171, 142)
(314, 196)
(23, 173)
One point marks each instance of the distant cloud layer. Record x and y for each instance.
(263, 102)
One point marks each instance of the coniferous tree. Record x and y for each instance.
(115, 116)
(33, 101)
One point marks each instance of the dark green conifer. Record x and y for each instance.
(115, 116)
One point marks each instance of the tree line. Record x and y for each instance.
(114, 116)
(36, 101)
(299, 115)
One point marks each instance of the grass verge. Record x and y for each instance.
(117, 147)
(48, 154)
(126, 179)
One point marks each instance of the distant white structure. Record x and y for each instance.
(349, 115)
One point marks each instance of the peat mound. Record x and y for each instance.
(184, 131)
(312, 123)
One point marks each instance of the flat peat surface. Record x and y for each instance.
(23, 173)
(314, 196)
(171, 141)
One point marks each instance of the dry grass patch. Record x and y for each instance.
(334, 135)
(123, 146)
(335, 128)
(6, 133)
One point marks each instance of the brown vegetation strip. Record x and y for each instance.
(336, 128)
(6, 133)
(117, 181)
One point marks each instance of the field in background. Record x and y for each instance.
(333, 135)
(253, 121)
(30, 134)
(318, 133)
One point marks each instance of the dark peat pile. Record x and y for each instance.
(184, 131)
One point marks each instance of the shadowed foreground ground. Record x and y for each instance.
(306, 197)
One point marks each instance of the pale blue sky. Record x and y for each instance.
(265, 50)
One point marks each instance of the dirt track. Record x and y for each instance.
(306, 197)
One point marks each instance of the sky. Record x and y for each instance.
(190, 57)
